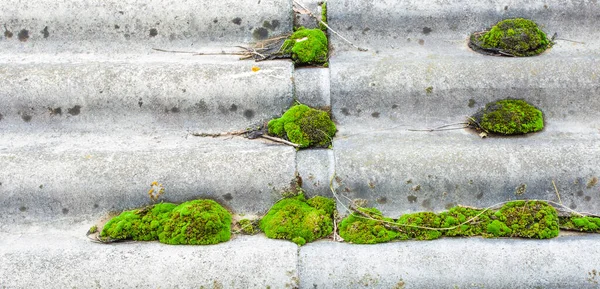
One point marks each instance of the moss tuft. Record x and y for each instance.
(509, 117)
(359, 230)
(199, 222)
(582, 224)
(298, 220)
(307, 46)
(526, 219)
(518, 37)
(248, 227)
(93, 229)
(323, 16)
(304, 126)
(410, 224)
(459, 215)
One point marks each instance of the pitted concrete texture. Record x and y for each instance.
(385, 91)
(564, 262)
(130, 26)
(145, 94)
(400, 172)
(316, 168)
(48, 176)
(388, 25)
(59, 261)
(312, 86)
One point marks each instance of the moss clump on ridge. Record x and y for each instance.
(198, 222)
(525, 219)
(509, 117)
(580, 223)
(360, 230)
(304, 126)
(307, 46)
(299, 220)
(517, 37)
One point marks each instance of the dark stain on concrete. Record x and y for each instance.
(22, 208)
(421, 42)
(394, 106)
(471, 103)
(271, 26)
(140, 102)
(426, 30)
(505, 8)
(26, 117)
(412, 199)
(175, 109)
(96, 206)
(201, 106)
(117, 26)
(55, 111)
(228, 197)
(7, 33)
(23, 35)
(1, 117)
(216, 21)
(426, 204)
(237, 21)
(587, 198)
(366, 30)
(153, 32)
(233, 108)
(382, 200)
(65, 211)
(375, 114)
(74, 110)
(260, 33)
(248, 113)
(45, 32)
(345, 111)
(580, 193)
(479, 196)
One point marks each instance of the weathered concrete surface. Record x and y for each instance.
(311, 86)
(144, 94)
(399, 171)
(564, 262)
(130, 26)
(389, 25)
(316, 168)
(46, 176)
(419, 90)
(63, 261)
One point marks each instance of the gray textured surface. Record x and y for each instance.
(564, 262)
(384, 91)
(401, 172)
(312, 86)
(142, 94)
(316, 169)
(420, 25)
(130, 26)
(60, 261)
(48, 176)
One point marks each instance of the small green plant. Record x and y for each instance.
(509, 117)
(248, 227)
(526, 219)
(513, 37)
(93, 229)
(307, 46)
(299, 220)
(304, 126)
(412, 226)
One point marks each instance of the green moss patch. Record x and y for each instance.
(512, 37)
(509, 117)
(299, 220)
(580, 223)
(323, 16)
(198, 222)
(307, 46)
(525, 219)
(304, 126)
(359, 230)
